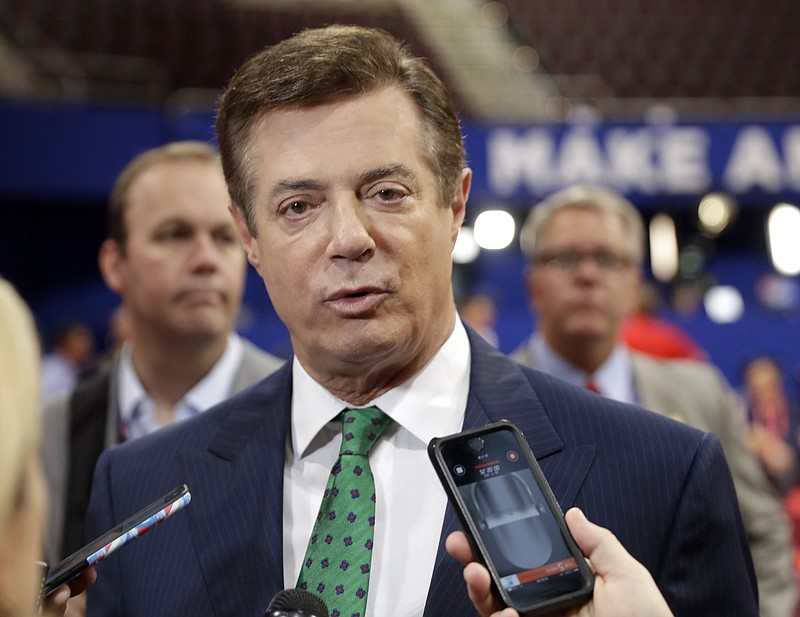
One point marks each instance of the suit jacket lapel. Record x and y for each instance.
(237, 483)
(500, 389)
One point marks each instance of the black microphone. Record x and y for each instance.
(297, 603)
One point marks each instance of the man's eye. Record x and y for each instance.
(568, 259)
(606, 260)
(173, 234)
(389, 194)
(297, 207)
(226, 239)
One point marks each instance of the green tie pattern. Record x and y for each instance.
(339, 552)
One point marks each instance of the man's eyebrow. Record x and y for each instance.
(377, 173)
(301, 184)
(172, 221)
(371, 175)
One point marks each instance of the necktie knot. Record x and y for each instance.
(361, 429)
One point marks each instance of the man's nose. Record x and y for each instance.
(206, 253)
(588, 266)
(350, 229)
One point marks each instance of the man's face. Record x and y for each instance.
(586, 302)
(182, 272)
(353, 243)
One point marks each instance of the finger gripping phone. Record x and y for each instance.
(512, 519)
(117, 537)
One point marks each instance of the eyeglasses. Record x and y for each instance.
(568, 261)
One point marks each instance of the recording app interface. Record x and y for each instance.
(510, 511)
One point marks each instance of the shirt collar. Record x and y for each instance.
(614, 377)
(214, 388)
(130, 391)
(430, 403)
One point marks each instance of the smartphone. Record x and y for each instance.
(114, 539)
(512, 519)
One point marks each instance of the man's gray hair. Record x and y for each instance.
(591, 196)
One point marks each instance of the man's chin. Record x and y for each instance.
(358, 350)
(587, 334)
(365, 350)
(204, 327)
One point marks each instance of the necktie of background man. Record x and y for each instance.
(591, 385)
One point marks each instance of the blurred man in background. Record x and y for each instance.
(773, 421)
(773, 434)
(174, 257)
(585, 249)
(71, 351)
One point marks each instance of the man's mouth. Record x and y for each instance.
(360, 302)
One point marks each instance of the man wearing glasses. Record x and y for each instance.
(585, 248)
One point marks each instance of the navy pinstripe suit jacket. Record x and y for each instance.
(662, 487)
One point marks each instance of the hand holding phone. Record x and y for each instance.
(114, 539)
(512, 520)
(623, 587)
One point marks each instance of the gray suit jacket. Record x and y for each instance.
(57, 439)
(696, 393)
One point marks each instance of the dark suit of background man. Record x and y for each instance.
(345, 164)
(585, 247)
(174, 257)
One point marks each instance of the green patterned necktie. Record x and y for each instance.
(339, 552)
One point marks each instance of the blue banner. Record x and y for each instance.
(648, 162)
(68, 151)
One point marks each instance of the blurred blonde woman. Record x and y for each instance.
(22, 492)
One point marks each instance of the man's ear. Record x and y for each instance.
(110, 261)
(248, 241)
(458, 205)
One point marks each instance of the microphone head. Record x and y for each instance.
(297, 603)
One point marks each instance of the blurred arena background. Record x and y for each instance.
(692, 109)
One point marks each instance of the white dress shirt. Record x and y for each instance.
(614, 377)
(137, 412)
(410, 500)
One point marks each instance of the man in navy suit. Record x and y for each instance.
(346, 169)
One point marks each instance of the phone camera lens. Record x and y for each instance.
(476, 443)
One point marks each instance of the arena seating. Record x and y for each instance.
(668, 48)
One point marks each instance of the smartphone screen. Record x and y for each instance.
(117, 537)
(506, 504)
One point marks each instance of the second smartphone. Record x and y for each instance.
(512, 519)
(114, 539)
